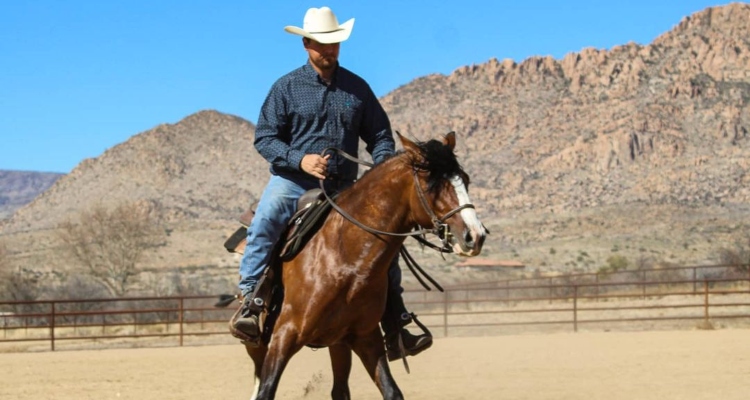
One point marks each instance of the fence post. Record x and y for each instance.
(549, 282)
(52, 326)
(575, 308)
(643, 284)
(705, 300)
(181, 317)
(445, 313)
(695, 280)
(596, 279)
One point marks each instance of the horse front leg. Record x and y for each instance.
(371, 351)
(258, 355)
(341, 362)
(283, 345)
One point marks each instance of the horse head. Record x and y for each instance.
(441, 197)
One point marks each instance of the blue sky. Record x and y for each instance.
(78, 77)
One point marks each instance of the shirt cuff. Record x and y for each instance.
(378, 157)
(295, 159)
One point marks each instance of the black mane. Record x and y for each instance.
(440, 162)
(435, 158)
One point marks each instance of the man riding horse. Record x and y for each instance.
(317, 106)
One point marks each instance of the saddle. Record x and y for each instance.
(312, 208)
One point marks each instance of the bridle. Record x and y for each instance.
(440, 228)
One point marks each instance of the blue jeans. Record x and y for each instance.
(276, 206)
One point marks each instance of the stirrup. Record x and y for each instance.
(420, 325)
(398, 350)
(247, 309)
(407, 344)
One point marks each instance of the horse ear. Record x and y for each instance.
(450, 140)
(408, 144)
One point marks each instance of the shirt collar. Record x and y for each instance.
(312, 74)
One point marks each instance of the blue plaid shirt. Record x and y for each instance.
(302, 115)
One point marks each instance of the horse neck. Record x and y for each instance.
(380, 198)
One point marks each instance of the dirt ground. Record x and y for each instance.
(684, 365)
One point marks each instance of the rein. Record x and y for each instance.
(373, 230)
(440, 228)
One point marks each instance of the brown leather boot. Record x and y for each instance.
(248, 321)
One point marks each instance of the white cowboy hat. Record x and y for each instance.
(321, 25)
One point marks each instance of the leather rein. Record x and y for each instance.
(440, 228)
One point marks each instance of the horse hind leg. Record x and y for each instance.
(283, 345)
(341, 362)
(258, 355)
(371, 351)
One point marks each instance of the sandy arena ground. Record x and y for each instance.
(680, 365)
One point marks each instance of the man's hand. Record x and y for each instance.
(315, 165)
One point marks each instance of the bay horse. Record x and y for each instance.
(335, 288)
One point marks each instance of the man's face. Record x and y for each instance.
(323, 56)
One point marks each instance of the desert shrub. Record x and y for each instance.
(667, 272)
(80, 287)
(16, 284)
(737, 256)
(614, 264)
(110, 243)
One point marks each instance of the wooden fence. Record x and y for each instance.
(685, 297)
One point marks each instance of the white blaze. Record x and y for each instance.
(469, 215)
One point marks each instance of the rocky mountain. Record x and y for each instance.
(607, 120)
(203, 167)
(640, 151)
(646, 146)
(18, 188)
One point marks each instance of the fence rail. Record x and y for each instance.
(570, 302)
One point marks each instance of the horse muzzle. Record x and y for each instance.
(470, 242)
